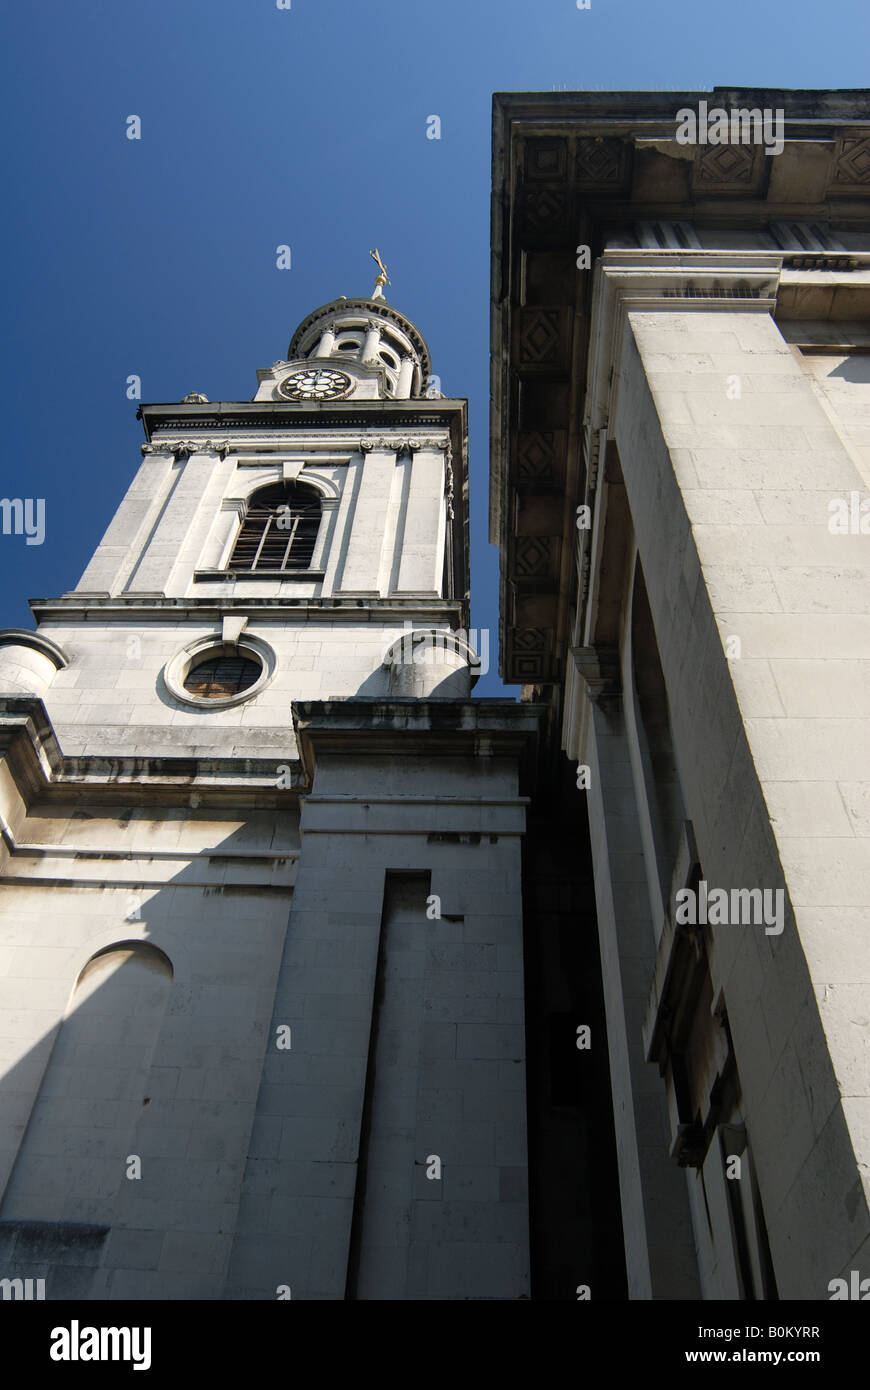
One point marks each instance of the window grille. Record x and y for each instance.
(279, 531)
(219, 676)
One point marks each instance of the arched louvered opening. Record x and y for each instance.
(279, 531)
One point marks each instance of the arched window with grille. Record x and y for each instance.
(279, 531)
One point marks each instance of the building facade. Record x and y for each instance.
(681, 496)
(260, 924)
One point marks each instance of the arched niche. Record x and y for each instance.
(73, 1158)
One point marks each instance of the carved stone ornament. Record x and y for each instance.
(403, 445)
(593, 454)
(164, 446)
(598, 668)
(177, 447)
(194, 398)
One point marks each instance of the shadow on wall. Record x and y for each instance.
(856, 368)
(132, 1117)
(425, 664)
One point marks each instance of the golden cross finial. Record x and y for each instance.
(383, 278)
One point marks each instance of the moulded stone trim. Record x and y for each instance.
(118, 934)
(21, 637)
(176, 669)
(330, 492)
(671, 281)
(177, 447)
(273, 472)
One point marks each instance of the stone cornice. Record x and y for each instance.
(138, 856)
(293, 418)
(444, 728)
(399, 444)
(156, 608)
(433, 728)
(669, 281)
(580, 171)
(254, 450)
(41, 769)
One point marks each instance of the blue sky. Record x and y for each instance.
(307, 127)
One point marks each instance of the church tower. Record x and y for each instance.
(260, 920)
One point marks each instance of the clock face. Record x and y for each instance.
(315, 384)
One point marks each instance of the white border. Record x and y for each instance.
(177, 668)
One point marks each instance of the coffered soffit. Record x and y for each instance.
(574, 170)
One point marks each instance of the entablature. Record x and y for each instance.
(594, 188)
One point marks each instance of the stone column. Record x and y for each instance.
(659, 1253)
(160, 556)
(327, 343)
(372, 341)
(406, 378)
(231, 514)
(118, 550)
(328, 506)
(368, 525)
(720, 432)
(425, 519)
